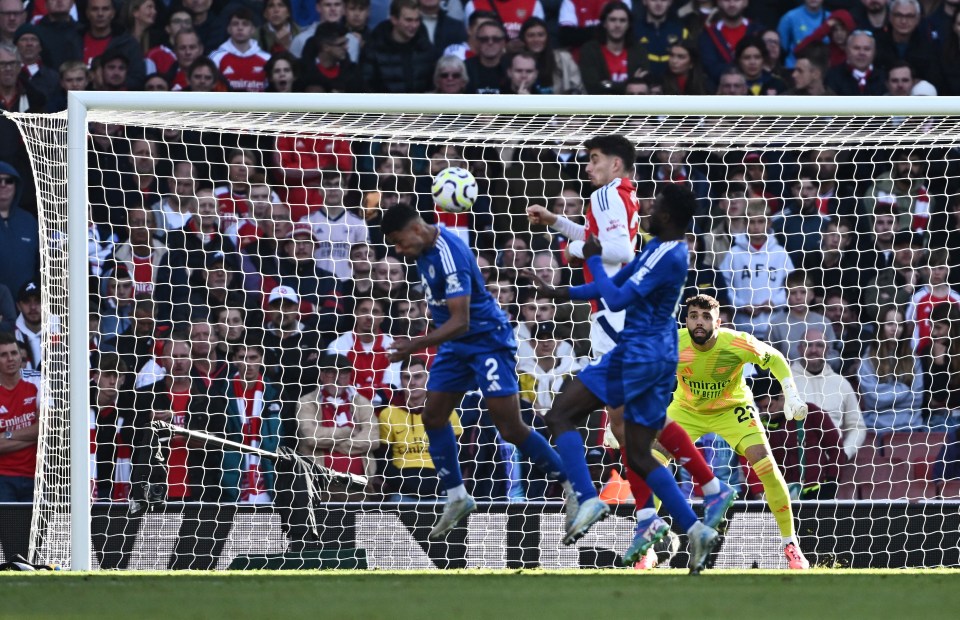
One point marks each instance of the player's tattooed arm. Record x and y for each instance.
(544, 288)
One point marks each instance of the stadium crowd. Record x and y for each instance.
(241, 287)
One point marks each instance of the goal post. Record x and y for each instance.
(714, 125)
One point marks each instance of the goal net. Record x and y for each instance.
(236, 300)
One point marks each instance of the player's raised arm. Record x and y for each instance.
(768, 358)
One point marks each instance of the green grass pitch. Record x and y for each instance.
(502, 595)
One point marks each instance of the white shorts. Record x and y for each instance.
(605, 326)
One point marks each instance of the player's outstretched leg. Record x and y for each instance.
(572, 404)
(650, 527)
(778, 499)
(443, 451)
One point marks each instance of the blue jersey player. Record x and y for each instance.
(477, 349)
(640, 371)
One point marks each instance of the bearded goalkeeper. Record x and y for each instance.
(712, 397)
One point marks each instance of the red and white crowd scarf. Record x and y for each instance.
(253, 486)
(921, 210)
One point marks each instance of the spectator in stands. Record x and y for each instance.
(61, 34)
(257, 400)
(487, 70)
(751, 56)
(907, 186)
(229, 329)
(331, 68)
(156, 83)
(17, 95)
(116, 308)
(298, 163)
(656, 28)
(906, 41)
(389, 279)
(328, 12)
(13, 14)
(511, 13)
(522, 75)
(608, 61)
(649, 85)
(729, 219)
(188, 48)
(359, 283)
(366, 347)
(45, 79)
(279, 28)
(756, 269)
(557, 71)
(837, 27)
(859, 75)
(935, 292)
(890, 377)
(798, 225)
(940, 18)
(843, 315)
(702, 276)
(101, 37)
(722, 33)
(788, 326)
(684, 75)
(733, 82)
(940, 361)
(136, 345)
(19, 424)
(815, 468)
(30, 325)
(337, 427)
(398, 57)
(162, 55)
(357, 20)
(450, 76)
(543, 374)
(137, 18)
(240, 59)
(820, 385)
(871, 15)
(111, 429)
(797, 24)
(835, 264)
(471, 47)
(774, 62)
(442, 29)
(72, 76)
(809, 72)
(113, 67)
(410, 473)
(291, 344)
(335, 227)
(19, 232)
(204, 77)
(900, 79)
(216, 285)
(950, 48)
(299, 270)
(8, 311)
(282, 73)
(897, 282)
(207, 23)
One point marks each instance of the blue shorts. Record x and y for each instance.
(645, 391)
(488, 364)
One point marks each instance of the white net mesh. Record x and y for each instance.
(232, 254)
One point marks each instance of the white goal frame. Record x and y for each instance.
(81, 103)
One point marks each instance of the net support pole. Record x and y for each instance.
(77, 338)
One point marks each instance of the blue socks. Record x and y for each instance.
(536, 448)
(444, 453)
(571, 449)
(663, 485)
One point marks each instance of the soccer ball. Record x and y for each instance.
(454, 190)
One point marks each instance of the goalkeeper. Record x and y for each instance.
(712, 397)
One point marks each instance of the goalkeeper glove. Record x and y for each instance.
(794, 407)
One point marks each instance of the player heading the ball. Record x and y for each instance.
(477, 349)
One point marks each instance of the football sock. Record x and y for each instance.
(678, 443)
(778, 497)
(638, 488)
(457, 492)
(789, 539)
(444, 453)
(536, 448)
(665, 487)
(571, 450)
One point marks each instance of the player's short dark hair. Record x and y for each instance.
(680, 202)
(614, 145)
(703, 301)
(396, 218)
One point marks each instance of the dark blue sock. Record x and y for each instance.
(536, 448)
(571, 449)
(663, 485)
(443, 452)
